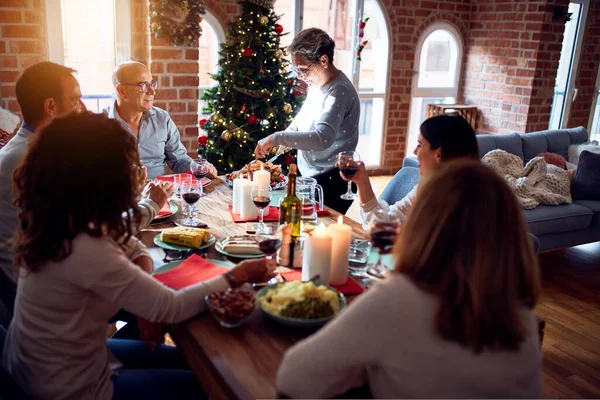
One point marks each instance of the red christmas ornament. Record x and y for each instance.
(288, 159)
(362, 25)
(253, 119)
(202, 140)
(247, 53)
(202, 122)
(243, 108)
(278, 29)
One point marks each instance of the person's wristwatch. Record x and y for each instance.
(230, 278)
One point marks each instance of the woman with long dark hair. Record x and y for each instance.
(454, 320)
(442, 138)
(78, 265)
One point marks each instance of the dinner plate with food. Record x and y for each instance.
(301, 304)
(278, 179)
(239, 246)
(184, 238)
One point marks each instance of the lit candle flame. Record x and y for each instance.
(341, 219)
(321, 228)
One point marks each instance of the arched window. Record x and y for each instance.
(208, 58)
(438, 61)
(340, 19)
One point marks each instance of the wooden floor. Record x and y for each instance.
(570, 305)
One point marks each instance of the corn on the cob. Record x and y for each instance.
(190, 237)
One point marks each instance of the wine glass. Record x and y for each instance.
(200, 168)
(348, 163)
(190, 193)
(383, 229)
(261, 197)
(269, 243)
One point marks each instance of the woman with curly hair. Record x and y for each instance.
(79, 264)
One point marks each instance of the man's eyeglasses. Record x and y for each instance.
(145, 86)
(302, 70)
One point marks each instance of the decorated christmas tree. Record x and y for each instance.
(255, 95)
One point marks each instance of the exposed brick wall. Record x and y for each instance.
(588, 69)
(140, 32)
(407, 20)
(502, 73)
(22, 43)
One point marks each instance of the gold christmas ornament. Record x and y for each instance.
(154, 25)
(278, 54)
(226, 135)
(264, 20)
(216, 118)
(287, 108)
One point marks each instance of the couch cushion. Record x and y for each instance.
(402, 183)
(553, 219)
(552, 141)
(586, 185)
(593, 205)
(510, 143)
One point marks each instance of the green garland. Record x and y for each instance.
(178, 20)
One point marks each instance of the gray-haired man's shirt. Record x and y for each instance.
(159, 142)
(326, 125)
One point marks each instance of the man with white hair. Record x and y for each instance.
(158, 138)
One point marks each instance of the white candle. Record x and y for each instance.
(340, 249)
(238, 183)
(262, 179)
(248, 210)
(316, 257)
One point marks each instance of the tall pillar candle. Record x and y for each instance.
(237, 194)
(341, 235)
(248, 210)
(262, 179)
(316, 257)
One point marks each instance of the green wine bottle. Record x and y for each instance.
(290, 208)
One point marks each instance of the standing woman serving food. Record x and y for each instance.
(327, 123)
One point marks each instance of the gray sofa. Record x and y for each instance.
(555, 226)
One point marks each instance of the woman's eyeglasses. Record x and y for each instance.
(302, 70)
(145, 86)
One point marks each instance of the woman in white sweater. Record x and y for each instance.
(79, 265)
(442, 138)
(455, 318)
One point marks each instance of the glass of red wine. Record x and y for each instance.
(190, 193)
(383, 230)
(268, 245)
(199, 169)
(348, 163)
(262, 198)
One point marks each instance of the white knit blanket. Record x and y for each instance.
(536, 183)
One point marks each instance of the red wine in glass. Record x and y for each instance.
(269, 246)
(191, 197)
(199, 174)
(261, 201)
(349, 171)
(383, 239)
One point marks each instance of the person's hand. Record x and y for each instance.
(158, 192)
(212, 172)
(264, 146)
(283, 149)
(145, 263)
(153, 333)
(253, 271)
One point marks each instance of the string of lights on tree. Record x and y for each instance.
(255, 94)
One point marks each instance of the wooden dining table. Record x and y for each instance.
(238, 363)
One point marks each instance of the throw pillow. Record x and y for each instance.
(576, 149)
(586, 185)
(554, 159)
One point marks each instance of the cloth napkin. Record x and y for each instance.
(350, 287)
(272, 217)
(193, 270)
(164, 211)
(170, 178)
